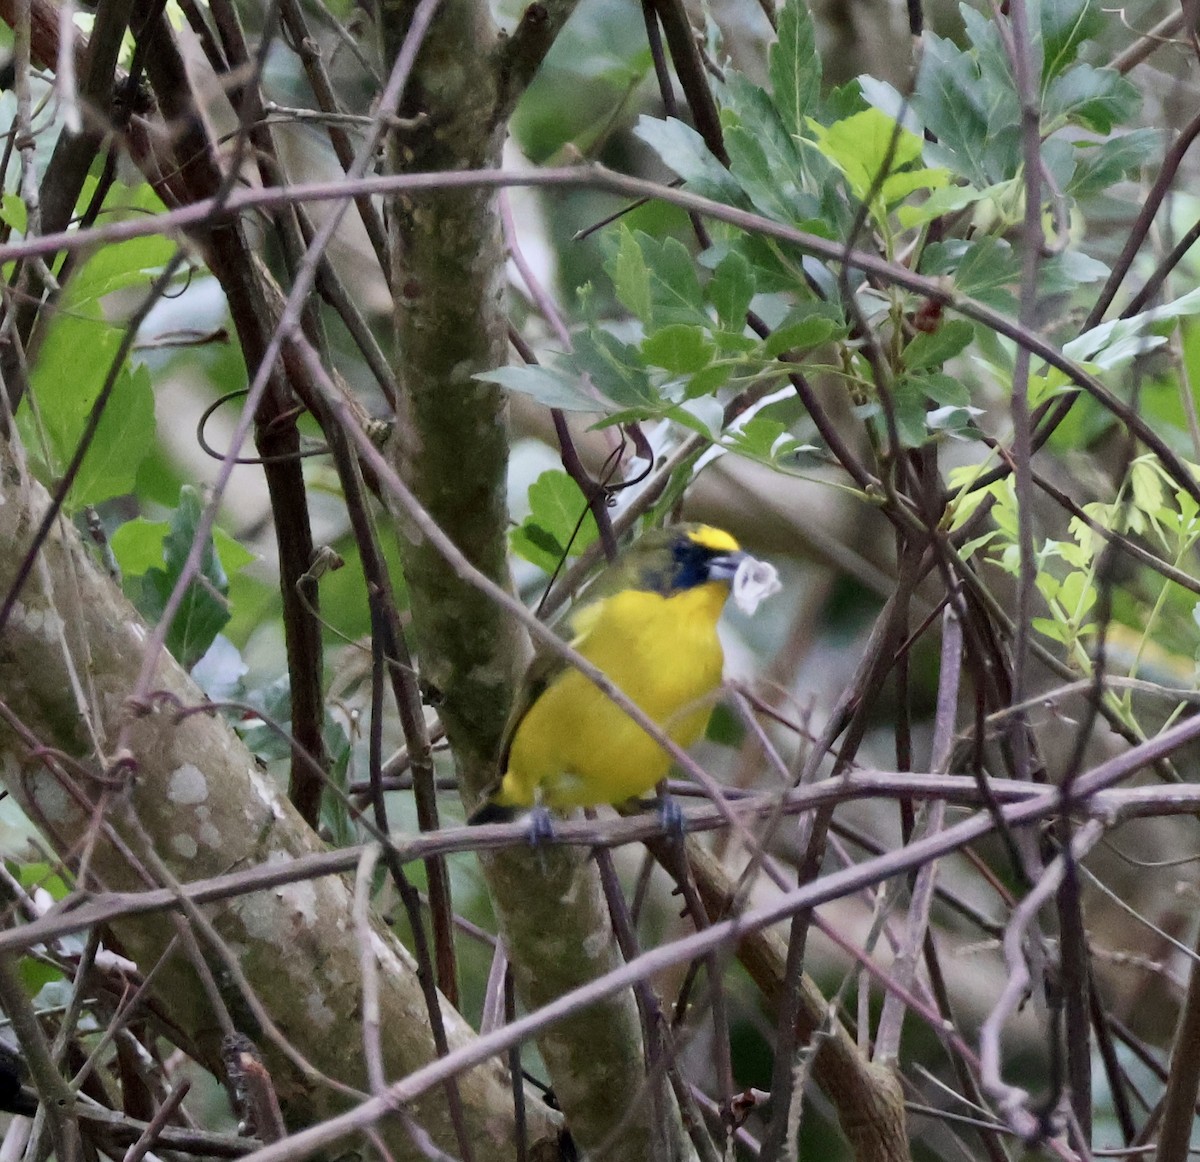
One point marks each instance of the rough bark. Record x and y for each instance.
(202, 806)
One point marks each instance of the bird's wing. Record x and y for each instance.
(546, 665)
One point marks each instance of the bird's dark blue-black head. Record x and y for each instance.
(681, 557)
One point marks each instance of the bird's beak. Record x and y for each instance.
(725, 567)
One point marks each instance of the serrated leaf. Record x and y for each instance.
(730, 290)
(1078, 594)
(761, 438)
(983, 269)
(795, 67)
(557, 509)
(1064, 26)
(552, 388)
(1047, 585)
(683, 151)
(934, 348)
(966, 99)
(763, 156)
(659, 276)
(899, 186)
(860, 145)
(951, 104)
(678, 348)
(630, 275)
(1095, 98)
(616, 369)
(1098, 164)
(204, 609)
(1146, 486)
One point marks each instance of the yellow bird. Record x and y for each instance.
(649, 621)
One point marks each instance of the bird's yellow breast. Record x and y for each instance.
(575, 747)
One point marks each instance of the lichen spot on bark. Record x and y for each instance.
(187, 786)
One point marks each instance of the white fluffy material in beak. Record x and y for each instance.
(753, 583)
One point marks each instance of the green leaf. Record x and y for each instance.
(122, 441)
(551, 388)
(899, 186)
(944, 389)
(984, 269)
(1119, 341)
(795, 68)
(951, 420)
(799, 335)
(657, 280)
(1095, 98)
(630, 275)
(557, 509)
(66, 388)
(233, 554)
(35, 974)
(683, 151)
(730, 290)
(1146, 486)
(1065, 26)
(974, 117)
(273, 701)
(909, 404)
(204, 610)
(934, 348)
(13, 212)
(1077, 595)
(942, 201)
(763, 156)
(119, 265)
(679, 348)
(764, 439)
(1047, 585)
(1098, 164)
(860, 145)
(707, 381)
(1054, 630)
(138, 545)
(616, 369)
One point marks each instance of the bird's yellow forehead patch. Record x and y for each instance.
(716, 540)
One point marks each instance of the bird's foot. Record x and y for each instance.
(670, 818)
(541, 828)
